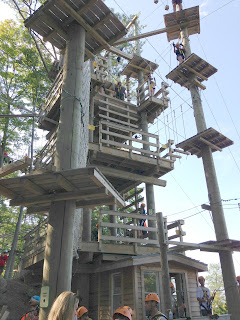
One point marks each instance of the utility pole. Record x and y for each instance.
(57, 269)
(228, 271)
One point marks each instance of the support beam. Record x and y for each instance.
(15, 166)
(210, 144)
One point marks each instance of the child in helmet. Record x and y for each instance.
(179, 49)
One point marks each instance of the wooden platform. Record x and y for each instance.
(193, 70)
(137, 64)
(126, 169)
(153, 107)
(53, 19)
(210, 137)
(184, 18)
(88, 186)
(15, 166)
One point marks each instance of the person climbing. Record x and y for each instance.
(3, 260)
(122, 313)
(175, 3)
(82, 313)
(152, 84)
(156, 1)
(6, 158)
(204, 298)
(179, 49)
(33, 313)
(142, 222)
(151, 307)
(120, 91)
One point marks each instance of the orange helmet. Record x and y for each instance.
(129, 309)
(81, 311)
(171, 285)
(152, 297)
(238, 278)
(201, 278)
(143, 205)
(124, 311)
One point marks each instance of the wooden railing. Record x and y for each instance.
(145, 91)
(45, 157)
(110, 133)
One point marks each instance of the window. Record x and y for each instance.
(116, 291)
(151, 282)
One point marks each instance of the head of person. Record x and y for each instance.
(172, 288)
(151, 304)
(143, 205)
(122, 313)
(64, 306)
(238, 279)
(34, 302)
(119, 83)
(177, 44)
(5, 251)
(82, 313)
(201, 280)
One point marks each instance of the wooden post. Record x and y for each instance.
(228, 272)
(167, 303)
(71, 144)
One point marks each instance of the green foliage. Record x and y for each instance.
(215, 283)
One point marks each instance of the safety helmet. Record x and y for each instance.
(5, 251)
(34, 300)
(143, 205)
(171, 285)
(152, 297)
(124, 311)
(238, 278)
(81, 311)
(177, 44)
(129, 309)
(201, 278)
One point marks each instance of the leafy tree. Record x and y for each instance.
(215, 283)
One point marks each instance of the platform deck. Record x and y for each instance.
(53, 19)
(137, 64)
(153, 107)
(193, 68)
(184, 18)
(15, 166)
(88, 186)
(211, 137)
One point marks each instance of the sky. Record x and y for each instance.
(186, 188)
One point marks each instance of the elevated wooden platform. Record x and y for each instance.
(53, 19)
(137, 64)
(87, 186)
(184, 18)
(154, 107)
(209, 137)
(126, 167)
(192, 70)
(15, 166)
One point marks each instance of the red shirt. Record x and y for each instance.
(3, 260)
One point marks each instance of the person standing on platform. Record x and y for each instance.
(3, 260)
(175, 3)
(151, 306)
(120, 91)
(204, 298)
(142, 222)
(179, 49)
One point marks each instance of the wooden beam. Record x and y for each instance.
(199, 84)
(7, 193)
(96, 193)
(132, 176)
(206, 207)
(16, 115)
(57, 28)
(38, 210)
(195, 246)
(120, 53)
(33, 187)
(213, 146)
(195, 72)
(64, 183)
(14, 166)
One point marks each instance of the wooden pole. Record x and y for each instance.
(71, 143)
(167, 299)
(228, 272)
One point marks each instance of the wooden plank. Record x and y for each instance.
(124, 239)
(98, 192)
(118, 121)
(118, 113)
(132, 176)
(7, 193)
(14, 166)
(33, 187)
(127, 215)
(125, 108)
(64, 183)
(213, 146)
(195, 72)
(199, 84)
(127, 226)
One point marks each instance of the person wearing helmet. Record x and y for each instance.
(123, 313)
(175, 3)
(82, 313)
(178, 311)
(204, 298)
(179, 49)
(142, 222)
(33, 313)
(3, 260)
(120, 91)
(151, 306)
